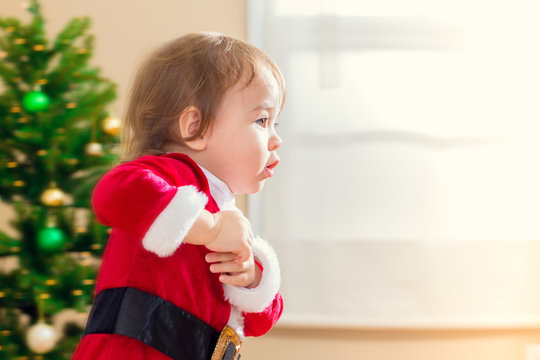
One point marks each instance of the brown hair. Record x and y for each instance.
(193, 70)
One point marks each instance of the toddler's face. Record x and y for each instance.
(242, 142)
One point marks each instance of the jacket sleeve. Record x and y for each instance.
(134, 198)
(262, 306)
(257, 324)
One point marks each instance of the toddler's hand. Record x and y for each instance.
(233, 236)
(245, 274)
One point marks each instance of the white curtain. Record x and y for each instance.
(409, 188)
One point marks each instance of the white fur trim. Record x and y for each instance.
(172, 225)
(236, 321)
(257, 299)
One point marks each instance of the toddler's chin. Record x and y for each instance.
(249, 189)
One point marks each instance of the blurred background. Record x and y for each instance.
(405, 207)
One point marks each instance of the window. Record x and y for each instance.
(411, 160)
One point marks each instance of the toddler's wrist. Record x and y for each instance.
(215, 227)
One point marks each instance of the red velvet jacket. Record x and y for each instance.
(151, 203)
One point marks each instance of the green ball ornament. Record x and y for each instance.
(36, 101)
(50, 239)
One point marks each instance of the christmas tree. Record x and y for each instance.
(56, 140)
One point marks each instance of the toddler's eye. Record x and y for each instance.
(262, 122)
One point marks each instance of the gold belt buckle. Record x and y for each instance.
(228, 345)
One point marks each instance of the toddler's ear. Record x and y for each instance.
(189, 123)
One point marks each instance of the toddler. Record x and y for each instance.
(182, 275)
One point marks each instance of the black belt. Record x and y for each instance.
(154, 321)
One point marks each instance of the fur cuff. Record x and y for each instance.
(257, 299)
(172, 225)
(236, 321)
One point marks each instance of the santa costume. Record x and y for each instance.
(155, 296)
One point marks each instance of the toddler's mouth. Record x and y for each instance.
(269, 168)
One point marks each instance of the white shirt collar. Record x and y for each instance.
(219, 191)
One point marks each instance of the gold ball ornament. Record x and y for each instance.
(111, 125)
(53, 197)
(94, 149)
(41, 338)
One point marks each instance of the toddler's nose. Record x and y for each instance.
(274, 142)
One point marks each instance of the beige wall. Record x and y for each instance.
(125, 30)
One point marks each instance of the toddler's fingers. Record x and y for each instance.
(244, 255)
(220, 257)
(228, 267)
(241, 279)
(251, 237)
